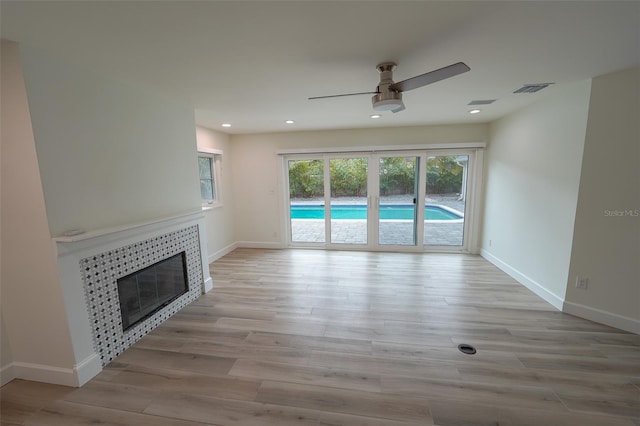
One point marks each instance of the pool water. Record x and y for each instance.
(395, 211)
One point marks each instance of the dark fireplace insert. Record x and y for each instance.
(148, 290)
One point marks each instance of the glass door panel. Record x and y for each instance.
(306, 201)
(445, 200)
(348, 201)
(415, 200)
(397, 207)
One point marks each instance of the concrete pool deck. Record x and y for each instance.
(391, 232)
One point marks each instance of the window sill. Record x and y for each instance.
(210, 207)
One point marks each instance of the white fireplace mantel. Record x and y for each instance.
(97, 234)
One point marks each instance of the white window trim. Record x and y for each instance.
(210, 151)
(382, 148)
(216, 157)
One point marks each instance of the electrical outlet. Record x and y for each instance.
(582, 282)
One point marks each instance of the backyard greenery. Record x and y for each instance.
(349, 176)
(306, 178)
(444, 175)
(397, 175)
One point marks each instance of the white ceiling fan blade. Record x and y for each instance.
(339, 96)
(430, 77)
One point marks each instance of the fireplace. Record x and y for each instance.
(133, 288)
(91, 264)
(148, 290)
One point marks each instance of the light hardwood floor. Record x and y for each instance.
(304, 337)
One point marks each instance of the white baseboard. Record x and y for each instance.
(75, 377)
(7, 374)
(603, 317)
(556, 301)
(222, 252)
(260, 244)
(592, 314)
(45, 373)
(242, 244)
(208, 284)
(88, 369)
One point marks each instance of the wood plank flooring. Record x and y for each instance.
(305, 337)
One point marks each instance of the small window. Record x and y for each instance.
(207, 164)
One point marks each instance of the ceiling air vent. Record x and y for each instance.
(532, 88)
(482, 102)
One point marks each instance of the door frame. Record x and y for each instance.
(327, 201)
(471, 208)
(472, 205)
(374, 176)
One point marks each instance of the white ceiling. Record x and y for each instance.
(254, 64)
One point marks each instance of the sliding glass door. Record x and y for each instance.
(405, 201)
(445, 200)
(349, 210)
(398, 200)
(306, 199)
(328, 201)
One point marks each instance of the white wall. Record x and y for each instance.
(110, 153)
(33, 312)
(6, 357)
(257, 169)
(220, 220)
(84, 152)
(606, 247)
(531, 190)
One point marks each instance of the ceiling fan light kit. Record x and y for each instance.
(391, 101)
(388, 95)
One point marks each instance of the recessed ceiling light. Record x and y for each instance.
(474, 111)
(376, 116)
(289, 122)
(226, 125)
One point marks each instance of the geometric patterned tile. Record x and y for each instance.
(101, 272)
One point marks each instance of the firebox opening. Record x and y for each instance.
(148, 290)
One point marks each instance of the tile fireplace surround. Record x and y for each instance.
(89, 265)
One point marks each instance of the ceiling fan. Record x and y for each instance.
(388, 95)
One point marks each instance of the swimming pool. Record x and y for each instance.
(359, 211)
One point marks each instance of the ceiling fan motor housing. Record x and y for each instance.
(386, 99)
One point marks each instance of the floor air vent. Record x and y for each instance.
(467, 349)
